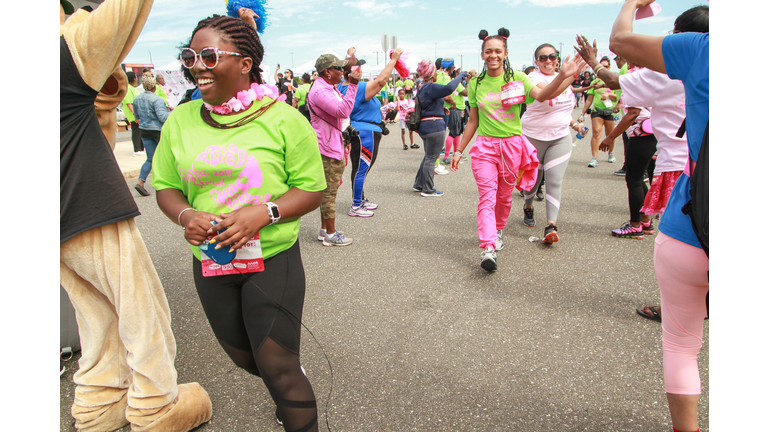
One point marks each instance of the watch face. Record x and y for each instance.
(274, 211)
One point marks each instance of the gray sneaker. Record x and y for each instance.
(528, 219)
(488, 259)
(336, 239)
(499, 240)
(360, 212)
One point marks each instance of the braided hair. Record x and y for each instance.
(501, 35)
(240, 34)
(243, 36)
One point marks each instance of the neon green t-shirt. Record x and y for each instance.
(399, 83)
(597, 101)
(457, 98)
(442, 78)
(130, 95)
(495, 121)
(162, 93)
(407, 83)
(301, 94)
(221, 170)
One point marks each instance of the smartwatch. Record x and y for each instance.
(274, 212)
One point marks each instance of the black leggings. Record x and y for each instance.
(260, 336)
(638, 158)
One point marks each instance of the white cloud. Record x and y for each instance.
(372, 9)
(560, 3)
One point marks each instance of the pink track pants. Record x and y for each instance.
(495, 164)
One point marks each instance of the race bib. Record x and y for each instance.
(608, 103)
(512, 93)
(248, 259)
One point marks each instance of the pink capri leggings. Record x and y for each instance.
(681, 270)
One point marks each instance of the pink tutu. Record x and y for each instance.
(661, 188)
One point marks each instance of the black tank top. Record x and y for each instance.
(92, 189)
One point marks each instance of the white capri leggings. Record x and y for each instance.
(681, 270)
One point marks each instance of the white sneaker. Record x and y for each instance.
(499, 240)
(321, 236)
(369, 205)
(360, 212)
(440, 170)
(140, 153)
(488, 259)
(336, 239)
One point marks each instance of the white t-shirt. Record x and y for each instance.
(666, 98)
(548, 120)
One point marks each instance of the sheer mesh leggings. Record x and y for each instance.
(289, 387)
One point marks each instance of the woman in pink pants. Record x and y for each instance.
(681, 264)
(501, 151)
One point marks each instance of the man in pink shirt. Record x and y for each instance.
(328, 109)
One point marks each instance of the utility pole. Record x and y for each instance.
(559, 53)
(462, 61)
(377, 56)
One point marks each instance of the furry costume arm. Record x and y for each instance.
(102, 40)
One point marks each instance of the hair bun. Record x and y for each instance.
(503, 32)
(483, 34)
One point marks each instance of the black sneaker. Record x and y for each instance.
(141, 190)
(539, 195)
(550, 234)
(414, 146)
(621, 172)
(528, 219)
(405, 147)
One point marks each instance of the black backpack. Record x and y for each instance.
(698, 206)
(415, 118)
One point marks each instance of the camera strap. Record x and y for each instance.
(313, 111)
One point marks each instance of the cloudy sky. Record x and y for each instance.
(299, 30)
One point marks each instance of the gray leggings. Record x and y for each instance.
(553, 159)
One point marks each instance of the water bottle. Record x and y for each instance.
(616, 118)
(579, 135)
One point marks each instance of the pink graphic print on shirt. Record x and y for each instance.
(219, 166)
(491, 106)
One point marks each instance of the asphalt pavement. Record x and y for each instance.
(420, 338)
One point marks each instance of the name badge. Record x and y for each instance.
(512, 93)
(248, 259)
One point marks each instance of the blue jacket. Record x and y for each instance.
(151, 111)
(431, 99)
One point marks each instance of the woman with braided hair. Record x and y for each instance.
(252, 166)
(501, 150)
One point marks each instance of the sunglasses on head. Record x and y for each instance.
(543, 58)
(209, 57)
(338, 68)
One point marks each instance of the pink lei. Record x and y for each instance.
(245, 98)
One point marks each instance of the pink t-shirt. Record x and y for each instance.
(548, 120)
(666, 99)
(402, 106)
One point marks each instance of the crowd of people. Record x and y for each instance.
(239, 167)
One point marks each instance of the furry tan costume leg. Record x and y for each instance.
(108, 273)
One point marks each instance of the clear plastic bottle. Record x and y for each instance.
(580, 136)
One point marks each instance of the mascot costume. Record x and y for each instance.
(126, 371)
